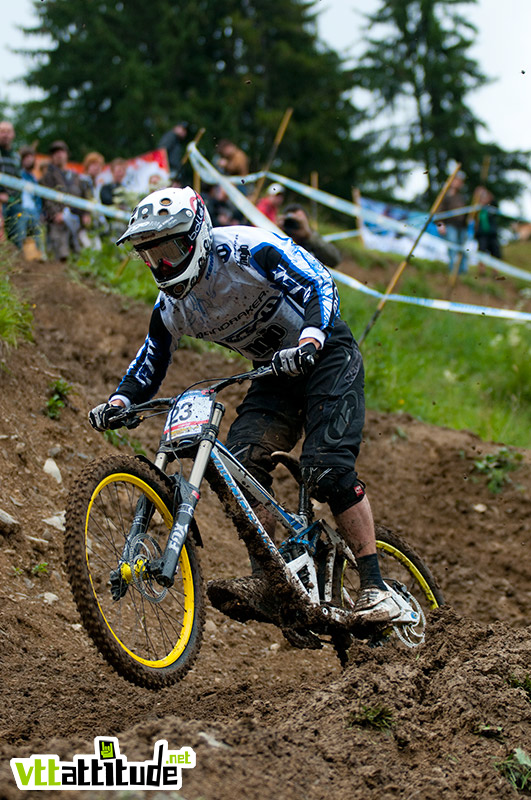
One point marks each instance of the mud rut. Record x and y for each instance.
(265, 720)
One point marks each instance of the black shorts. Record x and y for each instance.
(327, 405)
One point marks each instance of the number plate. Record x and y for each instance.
(189, 416)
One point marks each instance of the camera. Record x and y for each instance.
(291, 223)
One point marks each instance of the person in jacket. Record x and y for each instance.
(63, 222)
(10, 199)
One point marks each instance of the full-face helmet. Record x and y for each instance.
(171, 231)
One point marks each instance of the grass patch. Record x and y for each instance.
(15, 316)
(517, 769)
(496, 466)
(379, 717)
(115, 269)
(456, 370)
(58, 392)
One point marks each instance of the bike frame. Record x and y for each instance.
(300, 529)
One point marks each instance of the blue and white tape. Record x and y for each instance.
(62, 197)
(210, 174)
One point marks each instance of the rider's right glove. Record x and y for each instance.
(101, 417)
(294, 361)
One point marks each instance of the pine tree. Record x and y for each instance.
(120, 73)
(417, 67)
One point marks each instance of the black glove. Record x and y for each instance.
(101, 417)
(294, 361)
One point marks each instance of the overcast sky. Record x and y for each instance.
(502, 49)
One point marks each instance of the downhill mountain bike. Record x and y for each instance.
(131, 551)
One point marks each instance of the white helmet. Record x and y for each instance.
(171, 231)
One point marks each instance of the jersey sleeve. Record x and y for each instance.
(303, 280)
(148, 369)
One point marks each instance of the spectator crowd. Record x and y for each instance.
(45, 227)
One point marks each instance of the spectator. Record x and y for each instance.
(93, 164)
(232, 161)
(173, 142)
(32, 223)
(487, 223)
(222, 211)
(270, 204)
(114, 193)
(10, 200)
(63, 222)
(295, 223)
(455, 228)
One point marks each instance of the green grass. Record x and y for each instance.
(58, 392)
(448, 369)
(15, 316)
(379, 717)
(517, 769)
(113, 268)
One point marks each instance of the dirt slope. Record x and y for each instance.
(265, 720)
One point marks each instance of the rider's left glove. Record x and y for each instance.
(102, 417)
(295, 361)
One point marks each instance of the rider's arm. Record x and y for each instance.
(147, 370)
(306, 283)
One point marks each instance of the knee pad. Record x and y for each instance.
(339, 488)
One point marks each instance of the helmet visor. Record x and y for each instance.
(167, 258)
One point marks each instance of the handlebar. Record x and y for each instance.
(130, 417)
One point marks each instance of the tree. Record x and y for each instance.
(118, 74)
(417, 68)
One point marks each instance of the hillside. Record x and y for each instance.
(265, 720)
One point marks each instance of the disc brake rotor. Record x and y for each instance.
(412, 634)
(145, 549)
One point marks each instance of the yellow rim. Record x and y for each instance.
(184, 564)
(421, 580)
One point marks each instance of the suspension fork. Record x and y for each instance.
(163, 569)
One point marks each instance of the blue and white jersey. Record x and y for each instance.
(258, 293)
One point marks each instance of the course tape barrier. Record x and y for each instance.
(62, 197)
(211, 175)
(428, 302)
(387, 223)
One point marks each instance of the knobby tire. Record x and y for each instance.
(151, 636)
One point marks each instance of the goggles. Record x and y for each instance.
(167, 258)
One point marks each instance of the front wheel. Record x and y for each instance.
(403, 570)
(118, 519)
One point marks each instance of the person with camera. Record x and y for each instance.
(296, 224)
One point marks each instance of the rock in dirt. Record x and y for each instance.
(57, 521)
(8, 524)
(51, 468)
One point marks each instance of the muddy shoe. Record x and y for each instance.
(241, 599)
(376, 605)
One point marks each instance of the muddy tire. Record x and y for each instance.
(118, 518)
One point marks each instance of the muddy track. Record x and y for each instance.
(265, 720)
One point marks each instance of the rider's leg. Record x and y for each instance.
(335, 415)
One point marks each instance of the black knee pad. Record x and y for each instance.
(339, 488)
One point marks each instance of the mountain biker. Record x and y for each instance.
(270, 300)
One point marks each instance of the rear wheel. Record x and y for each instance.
(403, 570)
(117, 521)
